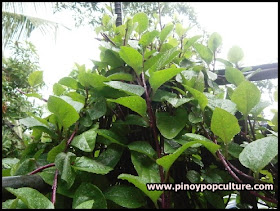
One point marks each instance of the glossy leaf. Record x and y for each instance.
(224, 124)
(86, 140)
(135, 103)
(142, 147)
(142, 20)
(35, 78)
(87, 192)
(139, 183)
(120, 76)
(165, 32)
(168, 160)
(63, 163)
(97, 109)
(69, 82)
(148, 38)
(111, 136)
(215, 40)
(55, 151)
(23, 167)
(111, 156)
(112, 58)
(132, 57)
(67, 114)
(234, 76)
(90, 165)
(246, 96)
(200, 97)
(160, 77)
(257, 154)
(225, 104)
(235, 54)
(131, 89)
(204, 52)
(170, 125)
(125, 196)
(32, 198)
(132, 119)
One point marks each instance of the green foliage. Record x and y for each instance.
(148, 112)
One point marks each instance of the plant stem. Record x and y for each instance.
(26, 93)
(72, 136)
(246, 125)
(41, 168)
(54, 187)
(252, 129)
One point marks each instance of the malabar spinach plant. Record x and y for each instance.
(150, 111)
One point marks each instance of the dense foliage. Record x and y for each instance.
(150, 112)
(22, 64)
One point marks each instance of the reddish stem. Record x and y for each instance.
(54, 187)
(26, 93)
(41, 168)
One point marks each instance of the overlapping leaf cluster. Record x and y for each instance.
(147, 113)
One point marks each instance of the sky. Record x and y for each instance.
(252, 26)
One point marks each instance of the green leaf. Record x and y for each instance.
(160, 77)
(235, 54)
(225, 62)
(139, 183)
(24, 167)
(85, 205)
(55, 151)
(224, 124)
(14, 204)
(87, 192)
(168, 160)
(32, 198)
(130, 89)
(125, 196)
(143, 22)
(132, 119)
(142, 147)
(168, 125)
(58, 89)
(257, 154)
(215, 40)
(225, 104)
(86, 140)
(164, 59)
(135, 103)
(91, 79)
(148, 38)
(35, 78)
(97, 109)
(200, 97)
(132, 57)
(90, 165)
(259, 108)
(234, 76)
(193, 176)
(110, 135)
(204, 52)
(63, 163)
(66, 113)
(9, 162)
(111, 156)
(120, 76)
(215, 200)
(246, 96)
(34, 95)
(76, 97)
(191, 41)
(165, 32)
(112, 58)
(69, 82)
(180, 30)
(234, 149)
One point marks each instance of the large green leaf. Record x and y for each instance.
(87, 192)
(139, 183)
(131, 89)
(125, 196)
(148, 38)
(76, 104)
(69, 82)
(86, 140)
(225, 104)
(234, 76)
(215, 40)
(165, 32)
(235, 54)
(142, 147)
(111, 156)
(91, 79)
(259, 108)
(23, 167)
(67, 114)
(120, 77)
(257, 154)
(55, 151)
(112, 58)
(35, 78)
(63, 163)
(170, 125)
(98, 108)
(160, 77)
(90, 165)
(168, 160)
(32, 198)
(191, 41)
(204, 52)
(143, 22)
(224, 124)
(132, 57)
(132, 119)
(135, 103)
(246, 96)
(200, 97)
(112, 137)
